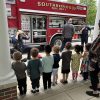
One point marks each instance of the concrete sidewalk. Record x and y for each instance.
(70, 91)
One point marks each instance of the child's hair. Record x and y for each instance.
(47, 49)
(81, 48)
(56, 49)
(68, 45)
(17, 55)
(77, 49)
(34, 52)
(88, 46)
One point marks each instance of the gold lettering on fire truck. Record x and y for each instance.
(70, 7)
(54, 5)
(39, 3)
(58, 6)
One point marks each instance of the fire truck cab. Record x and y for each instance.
(43, 20)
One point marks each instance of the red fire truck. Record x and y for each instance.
(43, 19)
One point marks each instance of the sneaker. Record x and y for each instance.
(56, 82)
(62, 81)
(49, 87)
(65, 82)
(90, 93)
(37, 90)
(53, 84)
(33, 91)
(21, 94)
(92, 88)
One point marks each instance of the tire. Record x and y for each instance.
(57, 40)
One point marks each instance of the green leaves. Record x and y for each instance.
(91, 5)
(71, 1)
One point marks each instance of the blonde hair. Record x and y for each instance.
(17, 55)
(34, 52)
(56, 49)
(19, 32)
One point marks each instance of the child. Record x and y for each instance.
(76, 62)
(34, 69)
(56, 57)
(19, 68)
(66, 58)
(85, 61)
(47, 63)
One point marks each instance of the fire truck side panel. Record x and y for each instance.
(50, 15)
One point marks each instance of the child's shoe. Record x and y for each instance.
(65, 82)
(53, 84)
(33, 91)
(90, 93)
(56, 82)
(37, 90)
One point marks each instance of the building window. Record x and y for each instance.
(10, 1)
(8, 8)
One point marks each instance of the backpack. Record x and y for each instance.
(14, 40)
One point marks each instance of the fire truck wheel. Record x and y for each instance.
(57, 41)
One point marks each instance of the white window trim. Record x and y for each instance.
(49, 12)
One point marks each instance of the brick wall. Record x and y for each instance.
(8, 93)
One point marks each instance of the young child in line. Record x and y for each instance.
(47, 64)
(76, 62)
(85, 62)
(56, 57)
(20, 68)
(66, 59)
(34, 69)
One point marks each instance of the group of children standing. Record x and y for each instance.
(48, 66)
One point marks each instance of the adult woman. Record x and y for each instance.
(95, 66)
